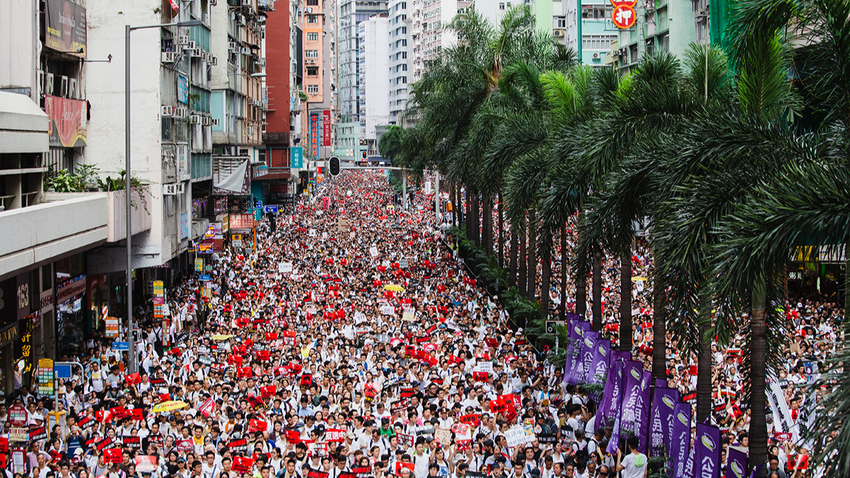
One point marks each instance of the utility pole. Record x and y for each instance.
(437, 195)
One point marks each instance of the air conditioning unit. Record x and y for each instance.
(173, 189)
(48, 86)
(213, 60)
(195, 119)
(596, 56)
(213, 3)
(63, 87)
(558, 32)
(246, 50)
(190, 45)
(215, 121)
(179, 112)
(73, 92)
(167, 110)
(182, 39)
(232, 46)
(205, 120)
(168, 57)
(195, 52)
(261, 63)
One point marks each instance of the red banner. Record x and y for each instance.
(67, 127)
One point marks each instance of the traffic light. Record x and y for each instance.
(364, 154)
(333, 165)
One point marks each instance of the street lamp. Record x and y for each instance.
(127, 181)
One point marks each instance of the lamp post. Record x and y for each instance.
(127, 181)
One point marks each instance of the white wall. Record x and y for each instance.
(17, 31)
(376, 76)
(105, 90)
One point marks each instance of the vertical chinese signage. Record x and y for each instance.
(296, 161)
(314, 134)
(158, 299)
(65, 23)
(326, 127)
(45, 377)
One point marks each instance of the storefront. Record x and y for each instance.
(71, 323)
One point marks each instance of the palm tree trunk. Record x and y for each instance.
(453, 194)
(596, 287)
(512, 257)
(626, 301)
(546, 271)
(659, 326)
(532, 254)
(581, 295)
(704, 359)
(758, 376)
(522, 283)
(487, 227)
(564, 276)
(501, 234)
(468, 216)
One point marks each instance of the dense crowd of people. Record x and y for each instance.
(353, 343)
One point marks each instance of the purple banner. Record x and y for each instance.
(642, 420)
(574, 366)
(599, 366)
(662, 382)
(610, 406)
(588, 346)
(633, 374)
(707, 454)
(736, 463)
(661, 418)
(681, 438)
(689, 465)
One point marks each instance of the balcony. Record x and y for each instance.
(62, 225)
(140, 218)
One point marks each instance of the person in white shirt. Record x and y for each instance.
(633, 465)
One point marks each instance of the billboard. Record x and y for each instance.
(326, 127)
(65, 25)
(314, 134)
(67, 126)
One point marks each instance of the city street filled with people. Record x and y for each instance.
(351, 341)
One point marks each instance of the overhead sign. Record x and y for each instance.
(121, 346)
(270, 209)
(241, 221)
(623, 15)
(65, 23)
(314, 134)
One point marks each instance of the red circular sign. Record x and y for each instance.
(17, 416)
(624, 16)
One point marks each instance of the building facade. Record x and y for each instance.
(374, 78)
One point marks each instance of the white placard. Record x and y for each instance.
(388, 310)
(515, 436)
(484, 367)
(324, 235)
(312, 233)
(373, 251)
(285, 267)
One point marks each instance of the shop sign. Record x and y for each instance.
(314, 134)
(623, 15)
(113, 326)
(205, 248)
(66, 121)
(242, 221)
(158, 288)
(184, 225)
(65, 25)
(70, 289)
(8, 334)
(45, 378)
(17, 435)
(296, 160)
(199, 265)
(326, 127)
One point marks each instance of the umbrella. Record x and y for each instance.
(638, 278)
(394, 288)
(169, 406)
(219, 338)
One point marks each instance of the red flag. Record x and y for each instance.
(133, 378)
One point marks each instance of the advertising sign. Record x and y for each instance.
(67, 121)
(296, 160)
(314, 134)
(65, 24)
(241, 221)
(326, 127)
(182, 89)
(184, 225)
(112, 327)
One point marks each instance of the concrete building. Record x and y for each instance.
(400, 57)
(238, 108)
(665, 25)
(427, 32)
(593, 25)
(374, 77)
(349, 143)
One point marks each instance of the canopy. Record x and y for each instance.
(237, 183)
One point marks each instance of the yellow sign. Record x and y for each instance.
(237, 237)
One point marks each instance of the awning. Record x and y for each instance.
(273, 176)
(237, 183)
(24, 127)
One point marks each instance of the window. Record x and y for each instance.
(313, 89)
(312, 19)
(562, 23)
(312, 36)
(312, 3)
(501, 6)
(312, 71)
(311, 54)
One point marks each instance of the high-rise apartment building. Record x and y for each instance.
(374, 77)
(663, 25)
(400, 58)
(349, 143)
(589, 33)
